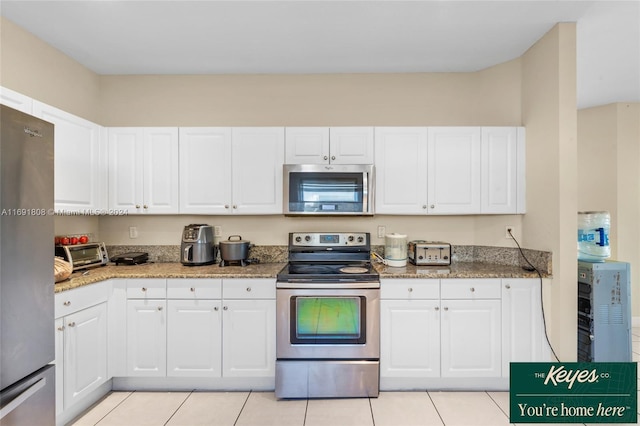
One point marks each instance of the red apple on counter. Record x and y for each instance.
(73, 240)
(83, 239)
(64, 241)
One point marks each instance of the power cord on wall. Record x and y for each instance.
(531, 267)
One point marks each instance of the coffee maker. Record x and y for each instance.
(197, 246)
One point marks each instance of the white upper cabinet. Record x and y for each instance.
(143, 169)
(231, 170)
(450, 170)
(453, 170)
(16, 100)
(205, 170)
(79, 161)
(256, 179)
(401, 170)
(503, 170)
(323, 145)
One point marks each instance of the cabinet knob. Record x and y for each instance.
(137, 206)
(159, 308)
(145, 206)
(67, 303)
(437, 308)
(333, 157)
(215, 308)
(144, 289)
(225, 308)
(472, 289)
(235, 206)
(410, 289)
(192, 289)
(72, 324)
(248, 288)
(424, 206)
(226, 206)
(507, 286)
(326, 157)
(433, 206)
(61, 328)
(446, 308)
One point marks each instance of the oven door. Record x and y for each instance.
(328, 323)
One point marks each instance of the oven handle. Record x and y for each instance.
(333, 285)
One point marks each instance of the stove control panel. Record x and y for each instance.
(318, 239)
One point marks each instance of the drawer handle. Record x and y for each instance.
(192, 289)
(72, 324)
(410, 289)
(472, 289)
(67, 303)
(144, 289)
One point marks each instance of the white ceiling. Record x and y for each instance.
(209, 37)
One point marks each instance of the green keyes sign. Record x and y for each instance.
(573, 392)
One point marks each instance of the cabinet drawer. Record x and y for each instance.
(470, 289)
(147, 288)
(194, 288)
(259, 288)
(68, 302)
(410, 289)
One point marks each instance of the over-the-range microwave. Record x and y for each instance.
(328, 189)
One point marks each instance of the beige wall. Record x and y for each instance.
(30, 66)
(609, 178)
(549, 114)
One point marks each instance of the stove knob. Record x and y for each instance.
(360, 239)
(307, 238)
(350, 238)
(298, 239)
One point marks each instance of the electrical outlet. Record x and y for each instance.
(217, 231)
(382, 230)
(508, 230)
(133, 232)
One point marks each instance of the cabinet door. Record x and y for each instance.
(471, 344)
(257, 159)
(307, 145)
(194, 338)
(79, 171)
(59, 342)
(249, 337)
(16, 100)
(401, 170)
(85, 352)
(351, 145)
(126, 151)
(160, 173)
(499, 170)
(146, 338)
(409, 338)
(454, 170)
(205, 170)
(523, 337)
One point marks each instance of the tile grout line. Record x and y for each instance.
(179, 407)
(373, 419)
(96, 404)
(242, 408)
(435, 407)
(306, 409)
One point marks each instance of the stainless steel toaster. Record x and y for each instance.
(429, 252)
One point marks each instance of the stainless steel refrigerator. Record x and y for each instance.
(27, 348)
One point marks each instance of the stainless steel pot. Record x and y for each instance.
(233, 250)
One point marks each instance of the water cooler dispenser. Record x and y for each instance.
(604, 312)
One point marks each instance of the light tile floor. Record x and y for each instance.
(262, 408)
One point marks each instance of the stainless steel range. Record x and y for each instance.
(328, 318)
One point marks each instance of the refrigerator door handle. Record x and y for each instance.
(20, 399)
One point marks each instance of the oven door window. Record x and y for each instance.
(326, 192)
(328, 320)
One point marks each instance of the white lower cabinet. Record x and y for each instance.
(80, 347)
(457, 332)
(200, 328)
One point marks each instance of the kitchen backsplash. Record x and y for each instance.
(278, 254)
